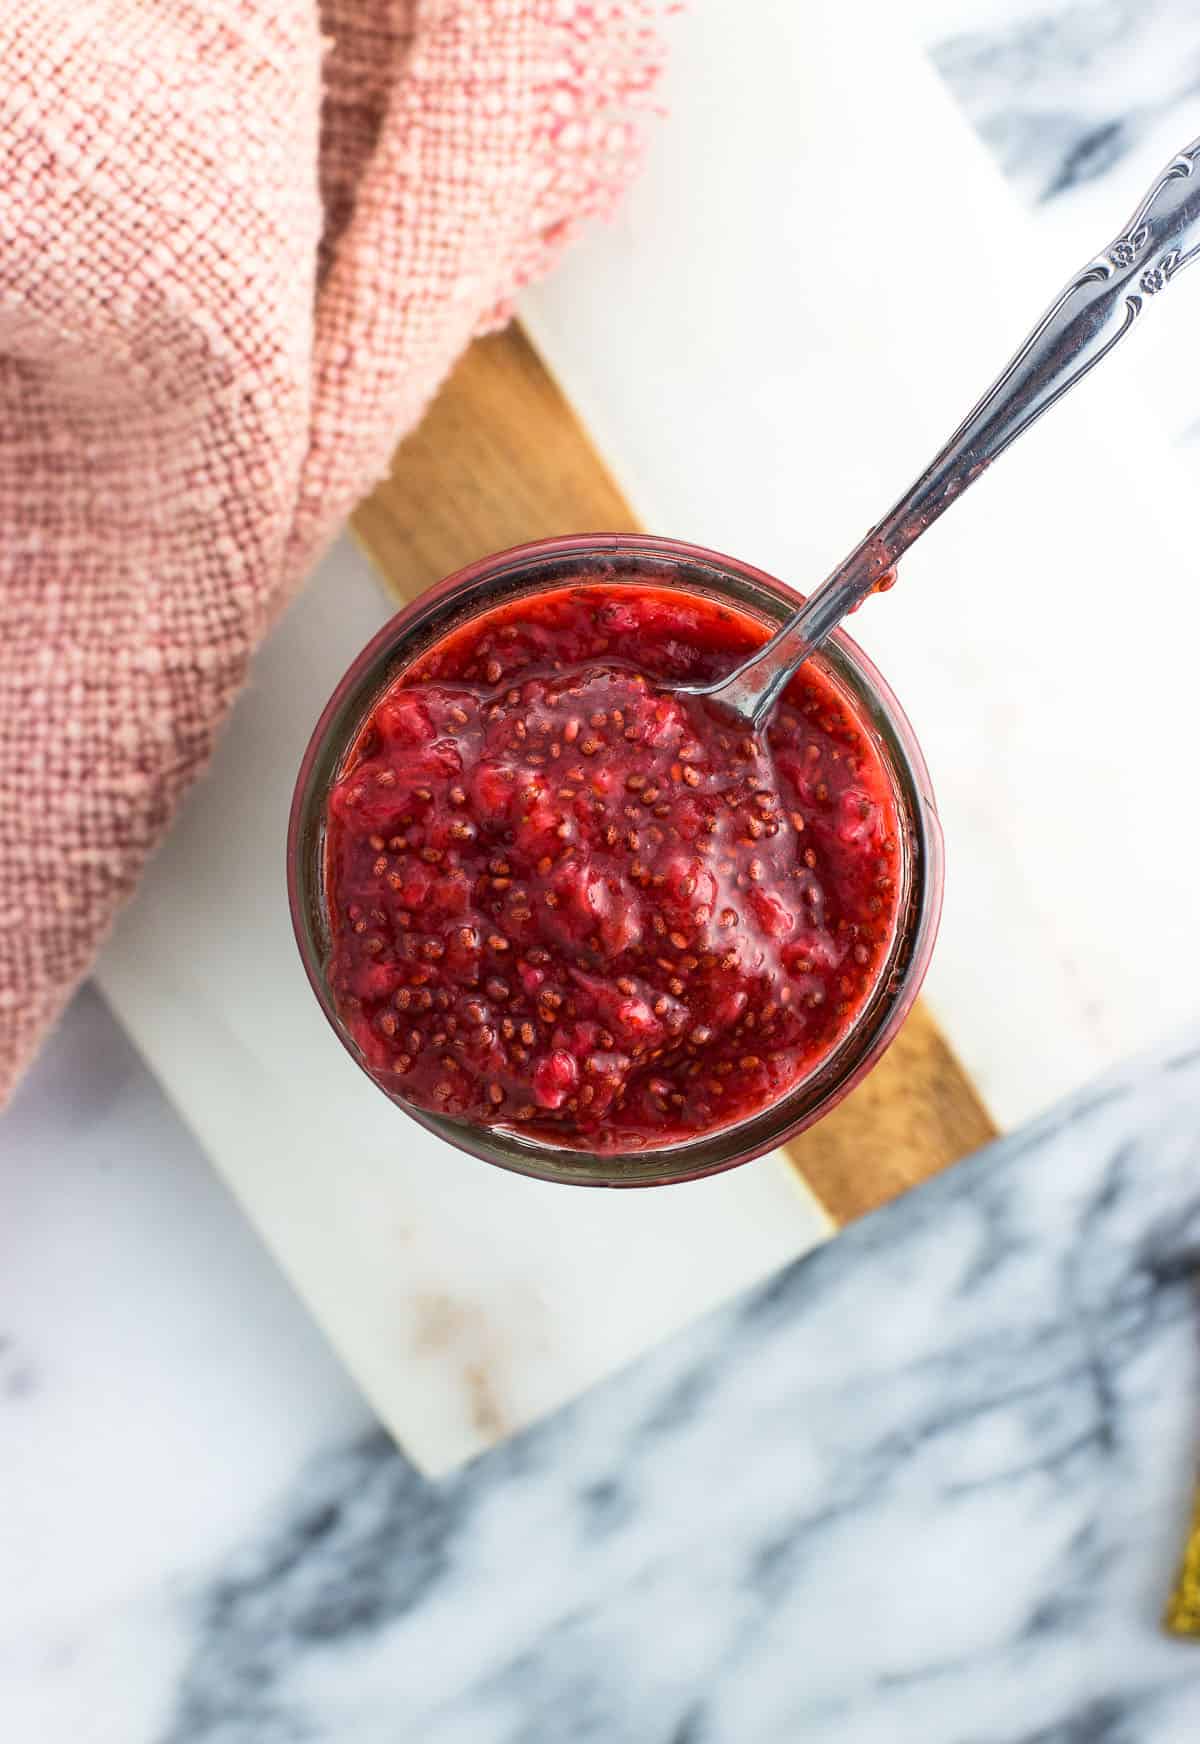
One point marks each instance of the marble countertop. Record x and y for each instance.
(927, 1484)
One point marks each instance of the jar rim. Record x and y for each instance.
(623, 559)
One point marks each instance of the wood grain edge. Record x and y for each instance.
(499, 458)
(913, 1116)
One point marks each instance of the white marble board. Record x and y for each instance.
(818, 271)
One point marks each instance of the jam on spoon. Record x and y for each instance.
(573, 904)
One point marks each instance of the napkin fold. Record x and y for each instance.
(241, 242)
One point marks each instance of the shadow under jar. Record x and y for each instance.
(573, 925)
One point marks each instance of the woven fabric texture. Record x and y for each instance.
(241, 242)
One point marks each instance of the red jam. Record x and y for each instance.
(573, 905)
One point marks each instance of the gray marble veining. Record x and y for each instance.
(1063, 92)
(927, 1484)
(1081, 104)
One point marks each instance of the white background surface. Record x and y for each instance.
(159, 1382)
(886, 271)
(816, 274)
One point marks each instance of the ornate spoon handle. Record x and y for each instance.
(1095, 310)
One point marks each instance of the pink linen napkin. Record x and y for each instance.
(241, 242)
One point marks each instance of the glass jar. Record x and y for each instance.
(633, 560)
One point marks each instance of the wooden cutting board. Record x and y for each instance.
(501, 458)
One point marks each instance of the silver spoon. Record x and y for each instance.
(1096, 309)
